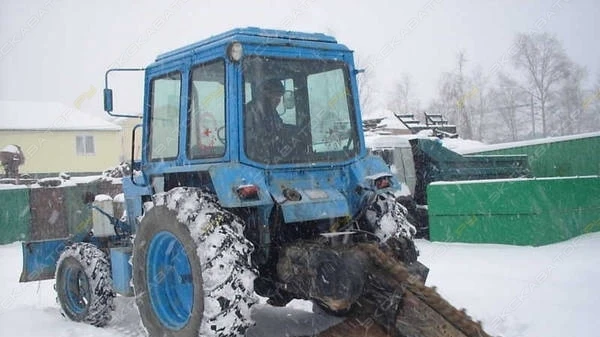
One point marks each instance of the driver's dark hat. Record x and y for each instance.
(271, 86)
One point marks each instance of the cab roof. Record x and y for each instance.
(253, 35)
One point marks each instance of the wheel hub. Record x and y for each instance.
(169, 277)
(77, 289)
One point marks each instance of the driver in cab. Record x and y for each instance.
(263, 127)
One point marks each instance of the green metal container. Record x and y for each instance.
(557, 157)
(15, 215)
(434, 162)
(514, 211)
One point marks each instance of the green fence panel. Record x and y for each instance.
(514, 211)
(43, 213)
(15, 216)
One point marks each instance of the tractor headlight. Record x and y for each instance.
(235, 51)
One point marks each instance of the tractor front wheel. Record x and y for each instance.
(84, 285)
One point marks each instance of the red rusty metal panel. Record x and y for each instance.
(48, 213)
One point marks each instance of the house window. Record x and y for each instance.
(85, 145)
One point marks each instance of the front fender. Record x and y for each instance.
(365, 171)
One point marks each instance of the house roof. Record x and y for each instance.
(22, 115)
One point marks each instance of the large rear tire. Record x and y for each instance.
(191, 270)
(84, 285)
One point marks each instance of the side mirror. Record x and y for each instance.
(108, 100)
(289, 101)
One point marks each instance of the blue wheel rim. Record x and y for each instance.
(77, 289)
(169, 280)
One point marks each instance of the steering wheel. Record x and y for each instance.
(221, 135)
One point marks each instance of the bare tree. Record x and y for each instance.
(595, 104)
(462, 112)
(454, 100)
(509, 99)
(401, 94)
(479, 94)
(590, 108)
(545, 64)
(571, 109)
(402, 99)
(365, 91)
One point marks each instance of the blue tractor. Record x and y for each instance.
(254, 180)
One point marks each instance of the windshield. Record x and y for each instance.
(298, 111)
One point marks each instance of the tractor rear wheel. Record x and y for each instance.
(191, 270)
(84, 285)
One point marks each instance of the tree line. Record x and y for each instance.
(541, 94)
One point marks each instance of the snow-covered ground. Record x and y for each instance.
(516, 291)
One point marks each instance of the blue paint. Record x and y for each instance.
(121, 270)
(256, 36)
(133, 199)
(328, 205)
(77, 288)
(169, 280)
(228, 177)
(108, 100)
(39, 259)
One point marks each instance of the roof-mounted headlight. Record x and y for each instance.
(235, 51)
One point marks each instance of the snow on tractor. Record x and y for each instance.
(254, 180)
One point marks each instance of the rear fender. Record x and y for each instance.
(369, 169)
(39, 259)
(227, 178)
(363, 175)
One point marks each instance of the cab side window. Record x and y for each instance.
(164, 116)
(206, 122)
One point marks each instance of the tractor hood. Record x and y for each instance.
(303, 194)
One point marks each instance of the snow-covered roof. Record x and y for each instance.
(378, 141)
(462, 146)
(22, 115)
(389, 119)
(538, 141)
(375, 141)
(11, 149)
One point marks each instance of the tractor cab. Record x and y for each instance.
(258, 117)
(207, 102)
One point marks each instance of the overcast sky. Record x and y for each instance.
(57, 50)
